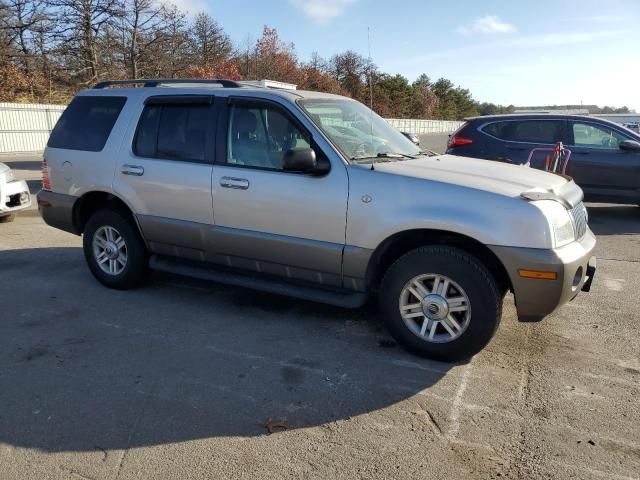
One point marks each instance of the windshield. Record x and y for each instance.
(357, 131)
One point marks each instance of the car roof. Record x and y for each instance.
(204, 89)
(543, 116)
(533, 116)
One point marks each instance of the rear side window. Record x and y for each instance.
(527, 131)
(498, 129)
(173, 132)
(86, 123)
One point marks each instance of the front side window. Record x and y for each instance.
(357, 131)
(86, 123)
(259, 136)
(596, 136)
(173, 132)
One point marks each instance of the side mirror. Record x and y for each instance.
(413, 138)
(630, 146)
(300, 160)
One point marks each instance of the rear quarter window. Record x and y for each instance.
(86, 123)
(498, 129)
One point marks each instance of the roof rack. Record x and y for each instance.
(149, 83)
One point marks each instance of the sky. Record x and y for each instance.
(533, 52)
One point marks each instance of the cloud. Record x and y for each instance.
(322, 11)
(519, 42)
(191, 7)
(489, 24)
(603, 18)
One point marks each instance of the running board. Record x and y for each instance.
(339, 299)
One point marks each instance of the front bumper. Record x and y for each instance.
(574, 265)
(14, 196)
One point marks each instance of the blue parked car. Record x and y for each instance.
(605, 159)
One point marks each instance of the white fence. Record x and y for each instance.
(26, 127)
(419, 127)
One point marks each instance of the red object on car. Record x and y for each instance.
(457, 139)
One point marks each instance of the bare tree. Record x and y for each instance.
(20, 21)
(80, 25)
(141, 24)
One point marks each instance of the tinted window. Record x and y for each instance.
(537, 131)
(147, 135)
(498, 129)
(529, 131)
(260, 136)
(176, 132)
(86, 123)
(591, 135)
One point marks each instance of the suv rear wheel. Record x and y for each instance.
(440, 302)
(114, 251)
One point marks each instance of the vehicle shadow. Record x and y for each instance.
(608, 219)
(83, 367)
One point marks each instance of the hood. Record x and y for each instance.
(4, 167)
(490, 176)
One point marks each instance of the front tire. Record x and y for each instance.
(8, 218)
(441, 303)
(114, 250)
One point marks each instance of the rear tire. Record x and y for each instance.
(8, 218)
(466, 313)
(114, 250)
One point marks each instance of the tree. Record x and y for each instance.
(80, 24)
(172, 54)
(227, 69)
(209, 42)
(274, 59)
(350, 69)
(141, 26)
(425, 100)
(316, 75)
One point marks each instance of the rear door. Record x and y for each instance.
(524, 135)
(598, 164)
(164, 173)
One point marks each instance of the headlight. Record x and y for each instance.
(559, 221)
(7, 176)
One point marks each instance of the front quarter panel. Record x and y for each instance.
(383, 204)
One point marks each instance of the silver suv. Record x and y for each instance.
(313, 196)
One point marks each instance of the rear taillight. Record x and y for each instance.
(46, 182)
(458, 139)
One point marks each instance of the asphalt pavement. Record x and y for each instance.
(184, 379)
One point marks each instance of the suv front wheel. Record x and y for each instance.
(440, 302)
(114, 251)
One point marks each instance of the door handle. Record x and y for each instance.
(232, 182)
(136, 170)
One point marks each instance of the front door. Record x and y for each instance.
(599, 165)
(165, 173)
(267, 219)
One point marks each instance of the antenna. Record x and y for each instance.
(370, 68)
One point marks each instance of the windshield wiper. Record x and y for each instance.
(389, 155)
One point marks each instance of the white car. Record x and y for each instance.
(14, 194)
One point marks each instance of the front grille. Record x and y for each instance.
(14, 201)
(580, 217)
